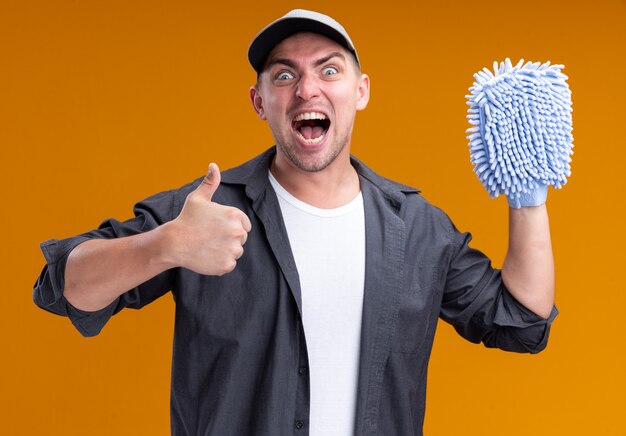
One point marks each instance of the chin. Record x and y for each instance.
(311, 162)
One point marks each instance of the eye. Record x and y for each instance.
(284, 75)
(329, 71)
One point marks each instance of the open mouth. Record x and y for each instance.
(311, 127)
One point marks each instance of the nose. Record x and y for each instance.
(308, 88)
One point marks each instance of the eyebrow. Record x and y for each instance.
(292, 64)
(329, 57)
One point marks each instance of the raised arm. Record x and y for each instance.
(206, 237)
(528, 270)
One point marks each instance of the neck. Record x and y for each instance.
(334, 186)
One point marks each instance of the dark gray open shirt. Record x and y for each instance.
(240, 356)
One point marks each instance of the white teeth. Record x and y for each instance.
(310, 116)
(311, 141)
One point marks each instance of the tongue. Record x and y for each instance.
(311, 132)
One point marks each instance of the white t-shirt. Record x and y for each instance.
(328, 246)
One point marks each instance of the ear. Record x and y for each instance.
(257, 102)
(363, 92)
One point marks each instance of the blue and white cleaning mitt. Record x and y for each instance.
(521, 135)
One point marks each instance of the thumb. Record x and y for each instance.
(211, 181)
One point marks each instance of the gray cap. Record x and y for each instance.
(298, 20)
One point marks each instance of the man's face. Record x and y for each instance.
(309, 92)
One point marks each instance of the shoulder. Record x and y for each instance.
(166, 205)
(408, 202)
(419, 211)
(251, 176)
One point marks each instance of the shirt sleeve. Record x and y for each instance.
(481, 309)
(48, 289)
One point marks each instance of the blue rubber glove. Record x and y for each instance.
(521, 140)
(532, 197)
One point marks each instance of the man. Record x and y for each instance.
(307, 287)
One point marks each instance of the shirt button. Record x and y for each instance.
(299, 424)
(303, 370)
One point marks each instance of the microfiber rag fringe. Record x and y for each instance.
(521, 134)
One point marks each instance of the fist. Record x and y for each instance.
(208, 237)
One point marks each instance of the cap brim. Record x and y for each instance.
(271, 36)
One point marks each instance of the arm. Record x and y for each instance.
(100, 270)
(477, 302)
(528, 270)
(206, 238)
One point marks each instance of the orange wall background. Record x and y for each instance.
(103, 103)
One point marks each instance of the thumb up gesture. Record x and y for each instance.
(208, 237)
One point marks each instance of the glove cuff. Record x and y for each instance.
(535, 197)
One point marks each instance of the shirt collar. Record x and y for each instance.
(254, 176)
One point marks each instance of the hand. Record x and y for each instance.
(207, 237)
(520, 140)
